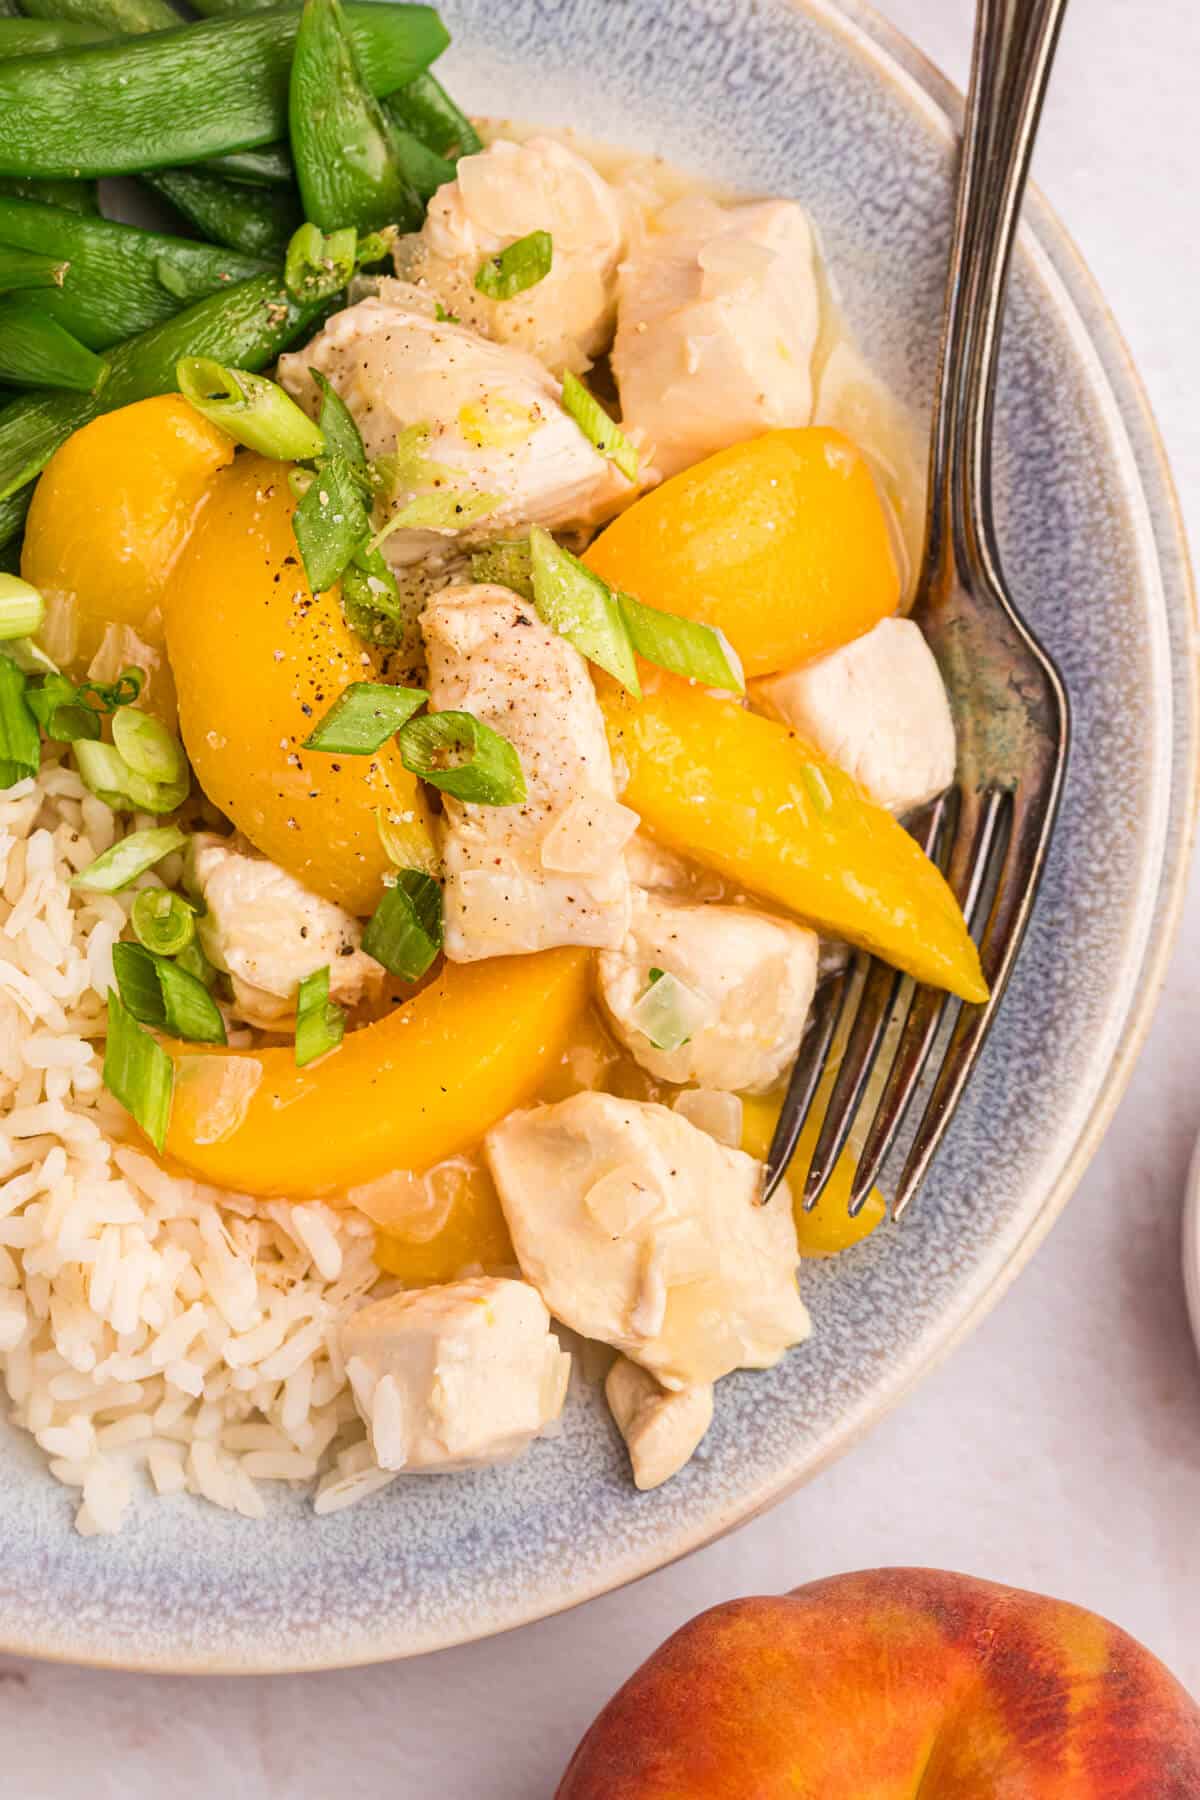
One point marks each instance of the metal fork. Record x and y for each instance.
(991, 830)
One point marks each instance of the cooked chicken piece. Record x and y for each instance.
(747, 984)
(506, 887)
(877, 708)
(484, 427)
(507, 192)
(661, 1429)
(717, 319)
(642, 1231)
(449, 1377)
(267, 932)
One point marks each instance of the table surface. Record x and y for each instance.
(1059, 1449)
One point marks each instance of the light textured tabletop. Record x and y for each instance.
(1059, 1449)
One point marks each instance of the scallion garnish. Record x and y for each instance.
(603, 433)
(462, 756)
(683, 646)
(22, 609)
(163, 922)
(20, 742)
(406, 841)
(138, 1071)
(408, 466)
(582, 608)
(318, 264)
(320, 1023)
(509, 565)
(522, 265)
(451, 509)
(330, 522)
(404, 933)
(341, 434)
(193, 959)
(363, 717)
(371, 598)
(108, 695)
(116, 868)
(147, 746)
(163, 993)
(252, 410)
(56, 706)
(669, 1013)
(105, 773)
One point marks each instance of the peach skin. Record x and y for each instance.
(895, 1684)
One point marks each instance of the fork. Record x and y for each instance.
(990, 831)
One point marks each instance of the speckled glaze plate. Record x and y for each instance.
(829, 105)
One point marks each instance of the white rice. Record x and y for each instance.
(156, 1335)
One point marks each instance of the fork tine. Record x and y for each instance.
(805, 1079)
(1011, 907)
(970, 854)
(879, 993)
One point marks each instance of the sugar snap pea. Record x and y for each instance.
(39, 37)
(71, 196)
(256, 221)
(246, 327)
(119, 279)
(120, 18)
(26, 269)
(179, 96)
(36, 351)
(269, 167)
(346, 161)
(425, 108)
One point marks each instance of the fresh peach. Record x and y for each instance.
(895, 1684)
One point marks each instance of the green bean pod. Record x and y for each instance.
(346, 160)
(41, 37)
(425, 108)
(179, 96)
(71, 196)
(245, 327)
(36, 351)
(119, 18)
(120, 279)
(257, 221)
(424, 170)
(25, 269)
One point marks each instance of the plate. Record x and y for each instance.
(828, 104)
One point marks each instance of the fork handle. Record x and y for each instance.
(1014, 47)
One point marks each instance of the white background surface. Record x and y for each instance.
(1059, 1449)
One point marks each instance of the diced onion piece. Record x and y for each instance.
(138, 1071)
(22, 609)
(320, 1023)
(405, 1205)
(669, 1013)
(250, 409)
(683, 646)
(213, 1095)
(713, 1111)
(601, 432)
(505, 909)
(363, 717)
(588, 836)
(116, 868)
(163, 923)
(462, 756)
(582, 608)
(404, 933)
(517, 268)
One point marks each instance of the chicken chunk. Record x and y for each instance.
(661, 1429)
(510, 190)
(717, 319)
(877, 708)
(451, 1377)
(747, 981)
(507, 890)
(641, 1231)
(267, 932)
(483, 428)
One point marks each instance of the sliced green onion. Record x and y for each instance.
(371, 598)
(442, 317)
(193, 959)
(462, 756)
(522, 265)
(137, 978)
(20, 742)
(603, 433)
(364, 717)
(108, 695)
(163, 922)
(669, 1013)
(163, 993)
(341, 434)
(138, 1071)
(106, 774)
(404, 933)
(408, 466)
(320, 1024)
(116, 868)
(683, 646)
(29, 657)
(147, 746)
(252, 410)
(375, 246)
(450, 510)
(406, 841)
(318, 264)
(509, 565)
(22, 609)
(56, 706)
(330, 523)
(582, 608)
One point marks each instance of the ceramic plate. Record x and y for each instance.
(830, 106)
